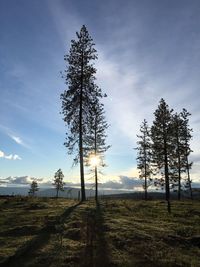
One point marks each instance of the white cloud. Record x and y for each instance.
(17, 139)
(9, 157)
(1, 154)
(13, 136)
(15, 157)
(24, 180)
(122, 182)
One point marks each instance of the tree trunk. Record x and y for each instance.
(189, 181)
(83, 198)
(145, 179)
(145, 185)
(96, 184)
(179, 182)
(179, 164)
(57, 193)
(95, 149)
(81, 137)
(145, 170)
(168, 206)
(167, 180)
(167, 191)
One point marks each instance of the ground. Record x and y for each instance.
(115, 232)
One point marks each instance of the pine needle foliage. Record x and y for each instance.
(96, 139)
(144, 156)
(162, 148)
(79, 76)
(58, 181)
(33, 188)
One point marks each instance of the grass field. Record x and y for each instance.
(60, 232)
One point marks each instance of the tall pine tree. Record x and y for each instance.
(144, 156)
(96, 138)
(76, 100)
(178, 162)
(162, 147)
(187, 136)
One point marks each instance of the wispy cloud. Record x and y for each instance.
(62, 17)
(9, 157)
(13, 136)
(17, 139)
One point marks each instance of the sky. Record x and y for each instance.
(147, 50)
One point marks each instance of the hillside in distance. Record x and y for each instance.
(69, 192)
(73, 193)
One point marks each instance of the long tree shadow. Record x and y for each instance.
(96, 252)
(25, 253)
(102, 249)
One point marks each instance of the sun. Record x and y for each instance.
(94, 160)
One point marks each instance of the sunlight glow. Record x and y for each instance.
(94, 160)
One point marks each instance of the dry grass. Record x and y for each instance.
(116, 233)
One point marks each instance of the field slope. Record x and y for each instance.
(115, 232)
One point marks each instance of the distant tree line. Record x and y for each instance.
(164, 149)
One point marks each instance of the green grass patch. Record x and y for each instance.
(116, 233)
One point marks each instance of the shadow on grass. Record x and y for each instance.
(25, 253)
(96, 252)
(102, 250)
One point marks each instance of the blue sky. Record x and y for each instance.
(147, 49)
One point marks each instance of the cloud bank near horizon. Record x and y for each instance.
(124, 183)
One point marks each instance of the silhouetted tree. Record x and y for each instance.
(187, 136)
(144, 156)
(58, 181)
(96, 138)
(34, 188)
(162, 147)
(76, 100)
(177, 164)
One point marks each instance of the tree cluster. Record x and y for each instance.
(82, 109)
(164, 148)
(58, 184)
